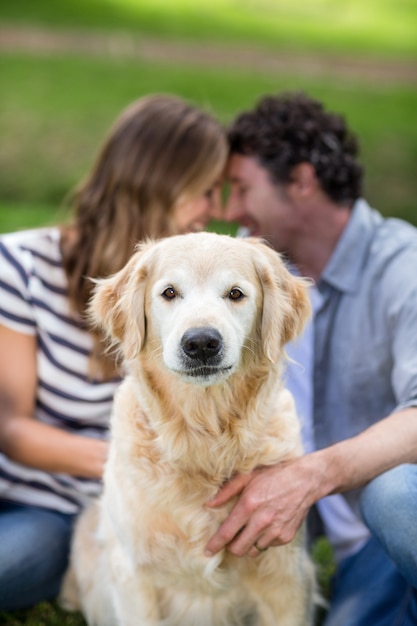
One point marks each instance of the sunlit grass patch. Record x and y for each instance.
(384, 27)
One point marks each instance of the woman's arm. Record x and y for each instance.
(24, 439)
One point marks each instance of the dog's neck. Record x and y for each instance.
(220, 429)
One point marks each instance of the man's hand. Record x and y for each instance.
(272, 503)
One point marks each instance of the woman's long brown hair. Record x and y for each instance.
(161, 151)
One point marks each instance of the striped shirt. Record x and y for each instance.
(34, 301)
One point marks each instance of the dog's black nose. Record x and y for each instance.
(201, 343)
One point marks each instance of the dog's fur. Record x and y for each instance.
(201, 321)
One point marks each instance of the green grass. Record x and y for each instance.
(386, 27)
(44, 614)
(55, 112)
(21, 216)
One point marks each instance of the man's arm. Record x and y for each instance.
(274, 501)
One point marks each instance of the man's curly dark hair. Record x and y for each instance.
(288, 129)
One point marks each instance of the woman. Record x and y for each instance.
(156, 175)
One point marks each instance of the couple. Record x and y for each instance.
(294, 179)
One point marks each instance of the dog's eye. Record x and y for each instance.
(169, 293)
(236, 294)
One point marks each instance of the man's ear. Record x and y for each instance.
(303, 179)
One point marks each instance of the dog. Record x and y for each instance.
(201, 322)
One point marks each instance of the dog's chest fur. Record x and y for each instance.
(175, 467)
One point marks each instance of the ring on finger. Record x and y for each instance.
(255, 545)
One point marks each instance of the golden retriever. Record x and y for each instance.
(201, 321)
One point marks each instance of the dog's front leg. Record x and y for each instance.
(134, 596)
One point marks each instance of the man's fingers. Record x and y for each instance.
(231, 528)
(243, 542)
(229, 490)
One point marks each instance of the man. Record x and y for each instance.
(295, 180)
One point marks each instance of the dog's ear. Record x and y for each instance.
(286, 305)
(118, 305)
(300, 307)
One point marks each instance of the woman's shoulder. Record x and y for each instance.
(43, 242)
(31, 261)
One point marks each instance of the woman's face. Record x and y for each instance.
(194, 214)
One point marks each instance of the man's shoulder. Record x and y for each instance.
(397, 229)
(392, 237)
(393, 257)
(381, 229)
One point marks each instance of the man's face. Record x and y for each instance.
(257, 204)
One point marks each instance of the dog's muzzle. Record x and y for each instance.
(202, 345)
(202, 354)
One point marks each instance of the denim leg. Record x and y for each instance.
(34, 548)
(389, 509)
(368, 590)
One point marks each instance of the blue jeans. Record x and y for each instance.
(34, 548)
(389, 509)
(378, 585)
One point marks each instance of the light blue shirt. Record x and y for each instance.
(365, 329)
(357, 362)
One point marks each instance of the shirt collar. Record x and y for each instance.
(344, 269)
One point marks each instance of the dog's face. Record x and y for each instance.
(202, 302)
(201, 315)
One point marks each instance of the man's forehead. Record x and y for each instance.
(244, 168)
(239, 166)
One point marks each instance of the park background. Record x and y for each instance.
(68, 67)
